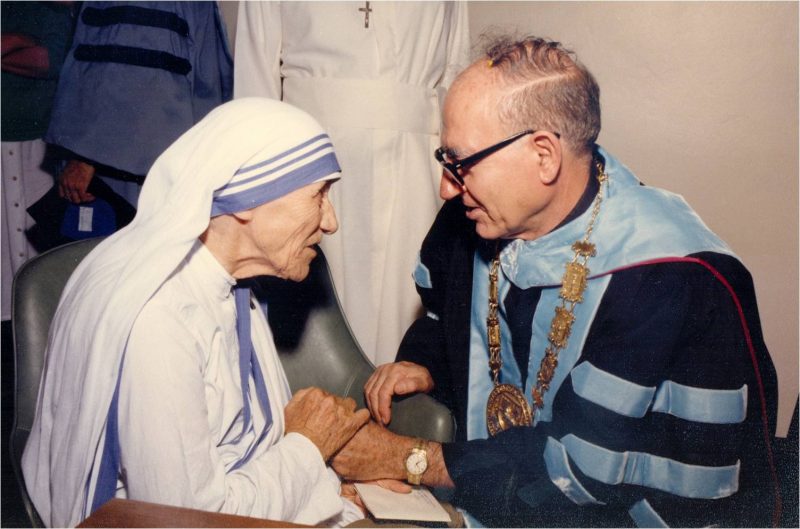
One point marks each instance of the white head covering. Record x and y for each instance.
(242, 154)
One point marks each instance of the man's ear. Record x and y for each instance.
(548, 148)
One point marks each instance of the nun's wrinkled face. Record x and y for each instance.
(286, 229)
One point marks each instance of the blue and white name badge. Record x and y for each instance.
(87, 220)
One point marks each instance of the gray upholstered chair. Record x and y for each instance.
(312, 336)
(35, 294)
(318, 349)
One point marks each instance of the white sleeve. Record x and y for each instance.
(169, 453)
(350, 513)
(256, 67)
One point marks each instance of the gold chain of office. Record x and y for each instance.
(507, 406)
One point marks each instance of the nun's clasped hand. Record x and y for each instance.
(326, 420)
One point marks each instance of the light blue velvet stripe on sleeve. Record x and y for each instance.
(555, 458)
(421, 275)
(648, 470)
(644, 515)
(610, 391)
(715, 406)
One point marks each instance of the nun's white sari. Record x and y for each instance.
(153, 300)
(179, 433)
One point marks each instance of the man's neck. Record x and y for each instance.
(588, 190)
(577, 190)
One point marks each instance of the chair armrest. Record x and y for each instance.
(422, 416)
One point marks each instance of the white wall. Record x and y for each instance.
(700, 98)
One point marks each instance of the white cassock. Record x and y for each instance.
(377, 91)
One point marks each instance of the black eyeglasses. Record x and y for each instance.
(455, 168)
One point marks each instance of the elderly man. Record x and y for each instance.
(598, 345)
(162, 382)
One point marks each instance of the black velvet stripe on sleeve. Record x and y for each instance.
(139, 16)
(133, 56)
(659, 434)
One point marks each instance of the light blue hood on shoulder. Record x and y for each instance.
(636, 223)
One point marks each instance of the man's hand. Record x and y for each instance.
(375, 453)
(73, 182)
(399, 378)
(326, 420)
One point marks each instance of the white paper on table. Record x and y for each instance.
(419, 504)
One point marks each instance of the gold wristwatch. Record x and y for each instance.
(417, 462)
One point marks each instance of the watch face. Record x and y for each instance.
(416, 463)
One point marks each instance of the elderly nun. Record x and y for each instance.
(161, 380)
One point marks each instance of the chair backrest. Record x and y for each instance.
(317, 349)
(311, 334)
(36, 290)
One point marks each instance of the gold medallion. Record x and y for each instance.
(507, 408)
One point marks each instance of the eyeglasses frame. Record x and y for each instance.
(454, 168)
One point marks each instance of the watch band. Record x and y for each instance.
(416, 462)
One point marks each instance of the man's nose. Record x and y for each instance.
(448, 188)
